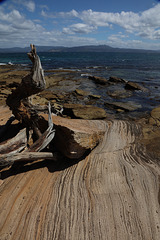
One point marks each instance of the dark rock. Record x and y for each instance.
(99, 80)
(113, 79)
(129, 106)
(13, 85)
(134, 86)
(2, 82)
(119, 94)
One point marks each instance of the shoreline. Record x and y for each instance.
(63, 91)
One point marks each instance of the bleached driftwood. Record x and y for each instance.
(15, 144)
(31, 84)
(7, 160)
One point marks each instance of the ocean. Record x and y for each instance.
(143, 68)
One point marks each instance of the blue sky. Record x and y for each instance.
(124, 24)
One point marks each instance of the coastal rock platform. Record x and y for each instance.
(111, 193)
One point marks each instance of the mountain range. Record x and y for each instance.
(89, 48)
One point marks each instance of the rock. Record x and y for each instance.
(135, 86)
(113, 79)
(48, 95)
(99, 80)
(75, 136)
(2, 82)
(94, 96)
(82, 92)
(5, 92)
(155, 117)
(119, 94)
(89, 112)
(84, 111)
(37, 100)
(129, 106)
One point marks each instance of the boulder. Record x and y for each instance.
(75, 136)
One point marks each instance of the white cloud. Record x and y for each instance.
(17, 30)
(79, 28)
(30, 5)
(144, 24)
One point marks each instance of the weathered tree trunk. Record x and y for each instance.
(31, 84)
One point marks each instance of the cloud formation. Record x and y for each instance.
(145, 24)
(123, 29)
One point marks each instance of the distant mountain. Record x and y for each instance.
(89, 48)
(27, 49)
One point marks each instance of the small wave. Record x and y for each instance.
(2, 64)
(85, 75)
(10, 63)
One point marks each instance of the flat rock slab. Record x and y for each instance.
(110, 194)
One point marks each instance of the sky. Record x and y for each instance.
(123, 24)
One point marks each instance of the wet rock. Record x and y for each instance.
(129, 106)
(135, 86)
(99, 80)
(84, 111)
(120, 94)
(113, 79)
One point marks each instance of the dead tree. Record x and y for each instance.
(16, 149)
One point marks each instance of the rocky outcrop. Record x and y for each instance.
(112, 193)
(135, 86)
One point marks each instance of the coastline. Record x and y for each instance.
(121, 171)
(64, 91)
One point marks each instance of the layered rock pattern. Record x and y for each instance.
(113, 193)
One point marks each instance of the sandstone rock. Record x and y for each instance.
(89, 112)
(82, 92)
(84, 111)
